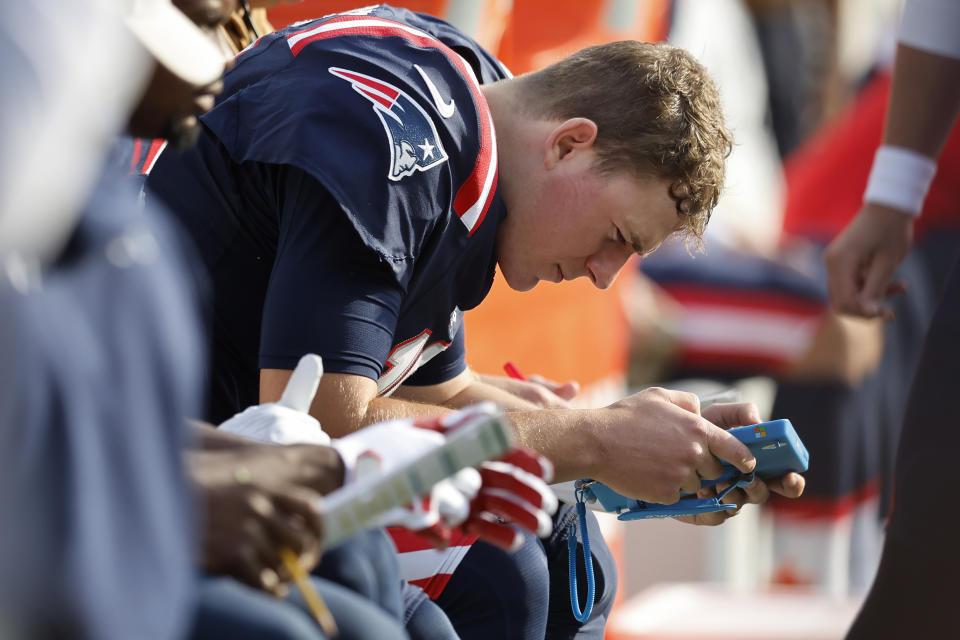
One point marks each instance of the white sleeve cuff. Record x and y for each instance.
(932, 26)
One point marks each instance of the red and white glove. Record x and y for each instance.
(513, 493)
(385, 446)
(287, 421)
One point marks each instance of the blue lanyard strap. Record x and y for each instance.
(581, 616)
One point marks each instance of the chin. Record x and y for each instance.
(519, 284)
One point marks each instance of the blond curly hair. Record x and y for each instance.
(657, 113)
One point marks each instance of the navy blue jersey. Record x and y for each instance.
(344, 195)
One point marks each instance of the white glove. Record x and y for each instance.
(386, 446)
(287, 421)
(513, 493)
(507, 493)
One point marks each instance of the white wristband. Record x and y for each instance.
(900, 179)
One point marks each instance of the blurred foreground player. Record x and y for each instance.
(352, 194)
(910, 595)
(99, 343)
(100, 349)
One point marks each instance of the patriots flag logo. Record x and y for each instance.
(414, 142)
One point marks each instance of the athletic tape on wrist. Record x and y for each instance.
(932, 26)
(900, 179)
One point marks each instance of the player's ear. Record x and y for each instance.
(568, 138)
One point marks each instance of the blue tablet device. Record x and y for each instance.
(775, 444)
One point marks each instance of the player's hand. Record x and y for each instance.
(514, 492)
(436, 514)
(655, 446)
(288, 420)
(244, 526)
(386, 446)
(507, 491)
(789, 485)
(541, 392)
(862, 259)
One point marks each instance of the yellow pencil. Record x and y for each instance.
(316, 604)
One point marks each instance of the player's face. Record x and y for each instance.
(170, 106)
(583, 225)
(207, 14)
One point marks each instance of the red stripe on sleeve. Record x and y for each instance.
(135, 160)
(155, 148)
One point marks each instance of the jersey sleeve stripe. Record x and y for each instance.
(474, 196)
(135, 158)
(156, 148)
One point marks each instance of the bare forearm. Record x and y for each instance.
(381, 409)
(345, 403)
(566, 436)
(464, 390)
(481, 391)
(343, 413)
(924, 101)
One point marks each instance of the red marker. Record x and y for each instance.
(513, 372)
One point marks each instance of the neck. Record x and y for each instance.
(517, 136)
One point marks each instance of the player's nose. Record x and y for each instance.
(604, 267)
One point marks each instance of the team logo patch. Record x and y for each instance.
(414, 143)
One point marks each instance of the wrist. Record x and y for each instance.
(318, 467)
(593, 445)
(572, 439)
(900, 179)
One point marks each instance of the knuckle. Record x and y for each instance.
(693, 453)
(657, 392)
(757, 495)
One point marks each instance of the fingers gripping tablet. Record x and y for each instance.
(775, 444)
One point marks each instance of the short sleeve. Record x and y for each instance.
(328, 293)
